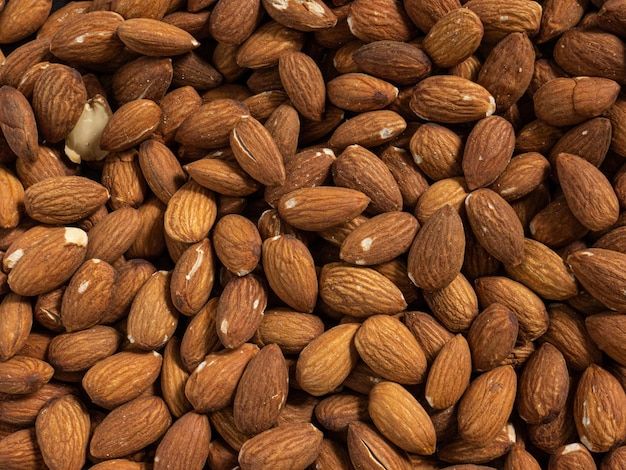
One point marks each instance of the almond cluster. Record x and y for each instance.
(306, 234)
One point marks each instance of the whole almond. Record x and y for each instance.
(290, 272)
(380, 239)
(437, 151)
(401, 419)
(486, 405)
(451, 99)
(484, 159)
(433, 270)
(495, 320)
(449, 374)
(186, 443)
(87, 295)
(310, 15)
(599, 410)
(303, 83)
(404, 364)
(317, 371)
(282, 447)
(362, 438)
(16, 319)
(508, 69)
(262, 391)
(360, 92)
(48, 263)
(22, 375)
(454, 37)
(121, 377)
(151, 37)
(58, 99)
(18, 123)
(521, 16)
(63, 418)
(130, 427)
(82, 349)
(394, 23)
(454, 305)
(368, 129)
(232, 22)
(495, 225)
(152, 318)
(240, 310)
(588, 193)
(360, 169)
(130, 125)
(98, 42)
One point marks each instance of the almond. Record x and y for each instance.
(16, 319)
(262, 391)
(185, 443)
(435, 269)
(495, 225)
(282, 447)
(599, 406)
(130, 125)
(18, 123)
(588, 193)
(521, 16)
(303, 83)
(192, 278)
(495, 320)
(401, 419)
(310, 15)
(62, 429)
(130, 427)
(327, 360)
(151, 37)
(404, 363)
(82, 349)
(22, 375)
(121, 377)
(451, 99)
(368, 448)
(485, 158)
(233, 22)
(486, 405)
(543, 385)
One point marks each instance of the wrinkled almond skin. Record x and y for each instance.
(130, 427)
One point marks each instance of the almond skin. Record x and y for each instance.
(399, 417)
(130, 427)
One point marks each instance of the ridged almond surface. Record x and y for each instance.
(213, 383)
(387, 346)
(82, 349)
(192, 278)
(64, 200)
(449, 374)
(130, 124)
(121, 377)
(240, 310)
(494, 321)
(588, 192)
(18, 123)
(283, 447)
(485, 407)
(261, 391)
(434, 269)
(62, 429)
(327, 360)
(151, 37)
(496, 226)
(130, 427)
(359, 291)
(454, 37)
(190, 213)
(304, 84)
(16, 320)
(601, 273)
(379, 239)
(185, 444)
(21, 375)
(321, 207)
(222, 176)
(152, 318)
(290, 271)
(400, 418)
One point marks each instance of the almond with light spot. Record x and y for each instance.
(434, 269)
(213, 383)
(379, 239)
(368, 129)
(368, 448)
(599, 410)
(152, 318)
(240, 310)
(121, 377)
(87, 295)
(485, 407)
(47, 263)
(192, 278)
(450, 99)
(151, 37)
(449, 374)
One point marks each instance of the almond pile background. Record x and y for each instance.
(296, 234)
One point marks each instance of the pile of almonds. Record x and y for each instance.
(306, 234)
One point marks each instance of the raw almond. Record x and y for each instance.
(151, 37)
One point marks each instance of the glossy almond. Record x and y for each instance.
(151, 37)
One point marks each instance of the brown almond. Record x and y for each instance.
(130, 125)
(151, 37)
(449, 374)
